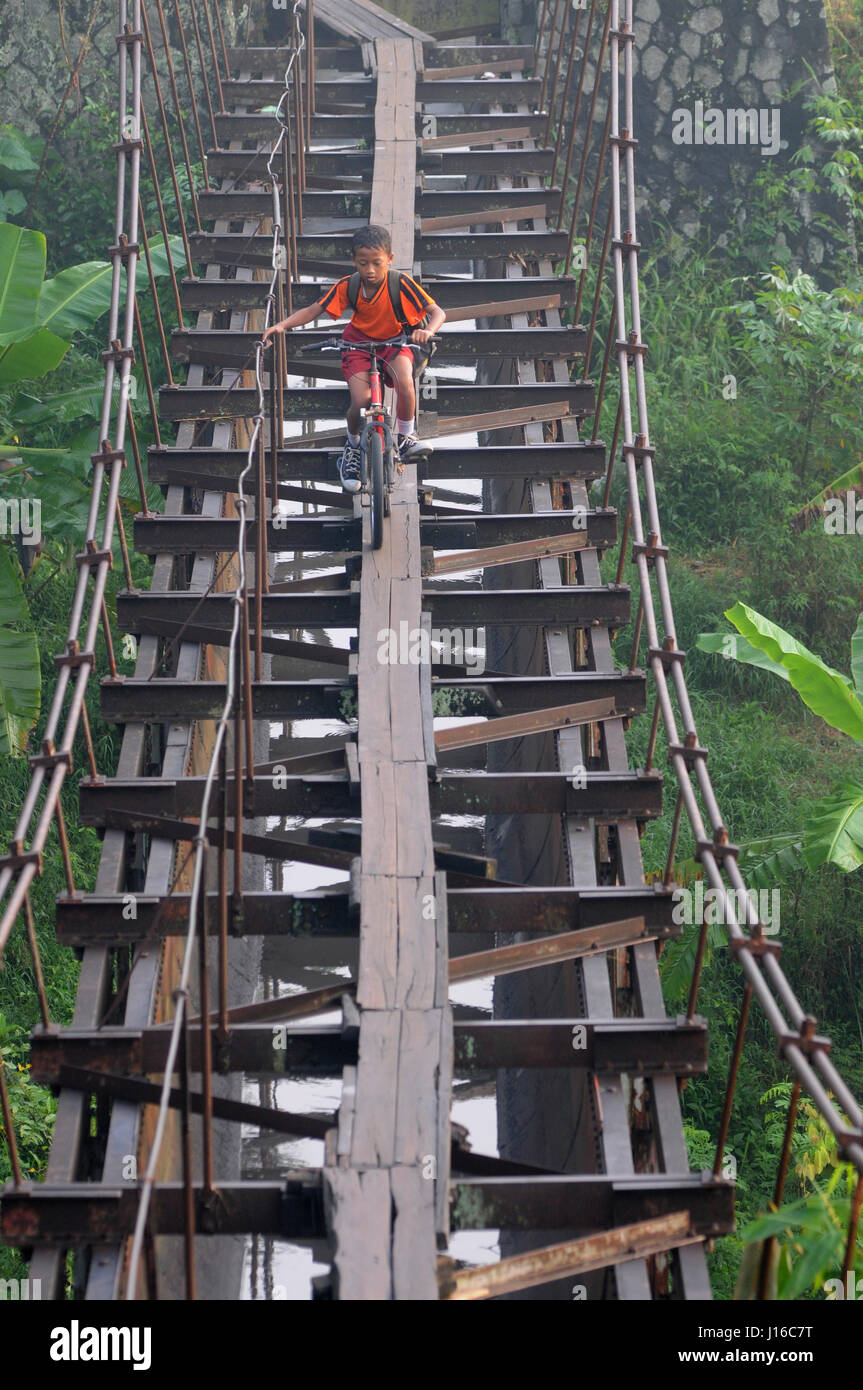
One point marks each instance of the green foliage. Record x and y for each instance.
(834, 830)
(801, 351)
(19, 660)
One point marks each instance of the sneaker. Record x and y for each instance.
(410, 447)
(349, 467)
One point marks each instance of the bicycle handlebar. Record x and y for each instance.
(346, 345)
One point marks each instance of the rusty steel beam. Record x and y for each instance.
(503, 538)
(591, 1202)
(220, 468)
(133, 802)
(158, 700)
(452, 399)
(581, 606)
(357, 164)
(239, 248)
(232, 126)
(132, 700)
(276, 1049)
(350, 58)
(561, 909)
(635, 1046)
(77, 1214)
(116, 919)
(266, 91)
(452, 295)
(598, 915)
(568, 1259)
(225, 347)
(252, 202)
(141, 1092)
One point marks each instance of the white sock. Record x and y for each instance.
(353, 438)
(405, 426)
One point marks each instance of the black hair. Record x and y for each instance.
(373, 238)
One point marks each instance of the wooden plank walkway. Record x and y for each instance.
(385, 1186)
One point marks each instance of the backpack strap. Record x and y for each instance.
(354, 289)
(394, 287)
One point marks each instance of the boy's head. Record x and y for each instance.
(372, 254)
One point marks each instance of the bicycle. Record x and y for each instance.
(376, 438)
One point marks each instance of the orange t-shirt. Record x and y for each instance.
(374, 318)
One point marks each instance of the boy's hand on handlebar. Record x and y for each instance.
(421, 335)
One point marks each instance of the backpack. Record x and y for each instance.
(394, 278)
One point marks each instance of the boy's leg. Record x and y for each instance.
(358, 385)
(401, 369)
(350, 469)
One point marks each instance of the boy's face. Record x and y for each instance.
(372, 262)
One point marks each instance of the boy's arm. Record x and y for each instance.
(436, 317)
(295, 320)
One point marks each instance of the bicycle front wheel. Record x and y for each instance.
(376, 479)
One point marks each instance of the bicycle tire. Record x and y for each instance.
(388, 478)
(376, 480)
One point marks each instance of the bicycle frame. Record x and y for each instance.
(377, 418)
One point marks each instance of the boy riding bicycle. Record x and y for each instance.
(384, 304)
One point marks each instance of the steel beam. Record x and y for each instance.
(77, 1214)
(582, 606)
(330, 402)
(591, 1202)
(219, 468)
(224, 347)
(132, 803)
(108, 918)
(219, 294)
(189, 535)
(238, 248)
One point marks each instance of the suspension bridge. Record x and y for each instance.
(422, 853)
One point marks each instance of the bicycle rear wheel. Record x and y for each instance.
(376, 479)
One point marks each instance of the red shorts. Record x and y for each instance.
(353, 362)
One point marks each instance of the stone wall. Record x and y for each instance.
(719, 101)
(39, 45)
(699, 67)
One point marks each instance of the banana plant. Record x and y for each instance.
(39, 317)
(20, 678)
(833, 833)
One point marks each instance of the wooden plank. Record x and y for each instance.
(395, 1125)
(482, 219)
(517, 725)
(374, 1129)
(378, 958)
(514, 64)
(416, 1119)
(475, 139)
(413, 1229)
(357, 1207)
(432, 425)
(502, 308)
